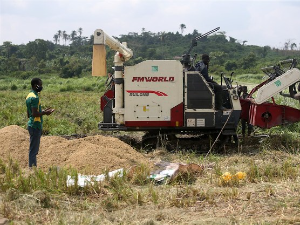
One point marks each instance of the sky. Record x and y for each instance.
(261, 23)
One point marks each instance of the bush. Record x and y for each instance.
(71, 70)
(88, 88)
(230, 65)
(3, 88)
(67, 88)
(24, 75)
(14, 87)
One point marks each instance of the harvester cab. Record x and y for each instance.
(162, 96)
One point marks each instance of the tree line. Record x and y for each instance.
(74, 38)
(70, 55)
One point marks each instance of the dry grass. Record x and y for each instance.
(269, 194)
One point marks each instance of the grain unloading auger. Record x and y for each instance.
(115, 107)
(264, 114)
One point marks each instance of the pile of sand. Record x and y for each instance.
(92, 154)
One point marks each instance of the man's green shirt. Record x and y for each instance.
(33, 101)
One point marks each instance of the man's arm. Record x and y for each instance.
(36, 113)
(204, 72)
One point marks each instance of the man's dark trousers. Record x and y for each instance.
(35, 137)
(218, 90)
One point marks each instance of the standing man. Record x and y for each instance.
(202, 67)
(243, 93)
(35, 122)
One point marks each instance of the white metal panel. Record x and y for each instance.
(148, 111)
(277, 85)
(191, 122)
(151, 89)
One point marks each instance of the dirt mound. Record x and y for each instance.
(91, 154)
(14, 143)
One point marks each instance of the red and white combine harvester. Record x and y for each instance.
(168, 97)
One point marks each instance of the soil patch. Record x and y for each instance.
(92, 154)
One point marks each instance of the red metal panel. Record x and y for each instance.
(177, 115)
(292, 115)
(269, 115)
(104, 99)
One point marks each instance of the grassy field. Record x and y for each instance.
(76, 103)
(269, 194)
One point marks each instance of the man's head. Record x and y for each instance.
(245, 89)
(36, 84)
(205, 59)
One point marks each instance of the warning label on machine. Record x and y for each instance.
(139, 94)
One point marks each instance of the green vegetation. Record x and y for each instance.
(75, 100)
(74, 60)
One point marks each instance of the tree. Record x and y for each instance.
(73, 35)
(232, 40)
(263, 51)
(162, 36)
(249, 61)
(244, 42)
(266, 49)
(71, 69)
(59, 35)
(218, 38)
(195, 33)
(230, 65)
(222, 33)
(7, 46)
(80, 31)
(38, 49)
(182, 27)
(91, 40)
(151, 52)
(218, 56)
(143, 31)
(12, 64)
(293, 46)
(65, 36)
(55, 38)
(287, 45)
